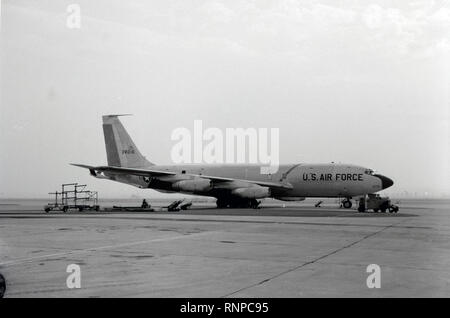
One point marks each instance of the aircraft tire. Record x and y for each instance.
(221, 204)
(254, 203)
(347, 204)
(2, 286)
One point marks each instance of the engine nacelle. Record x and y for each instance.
(196, 185)
(290, 198)
(255, 192)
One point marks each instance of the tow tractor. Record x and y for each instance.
(73, 196)
(377, 203)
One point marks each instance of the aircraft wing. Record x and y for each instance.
(218, 180)
(159, 173)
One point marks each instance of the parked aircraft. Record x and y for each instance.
(234, 185)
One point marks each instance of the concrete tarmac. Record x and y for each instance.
(208, 252)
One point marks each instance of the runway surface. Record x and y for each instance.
(206, 252)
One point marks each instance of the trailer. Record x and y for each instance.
(118, 208)
(73, 196)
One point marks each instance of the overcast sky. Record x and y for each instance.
(363, 82)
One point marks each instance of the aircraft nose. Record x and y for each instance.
(385, 181)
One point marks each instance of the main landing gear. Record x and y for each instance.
(237, 203)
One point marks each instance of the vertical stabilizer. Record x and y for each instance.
(120, 148)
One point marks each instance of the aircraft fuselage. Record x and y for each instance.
(307, 180)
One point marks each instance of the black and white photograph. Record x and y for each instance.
(241, 150)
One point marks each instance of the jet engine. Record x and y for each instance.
(290, 198)
(255, 192)
(196, 185)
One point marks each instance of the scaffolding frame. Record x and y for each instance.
(73, 196)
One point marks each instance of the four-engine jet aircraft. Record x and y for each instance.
(234, 185)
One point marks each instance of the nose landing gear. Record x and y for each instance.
(347, 203)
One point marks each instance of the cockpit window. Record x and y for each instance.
(369, 172)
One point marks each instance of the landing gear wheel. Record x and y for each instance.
(221, 204)
(254, 203)
(234, 204)
(347, 204)
(65, 209)
(376, 210)
(2, 286)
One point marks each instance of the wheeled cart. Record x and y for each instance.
(73, 196)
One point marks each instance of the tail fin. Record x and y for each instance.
(120, 148)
